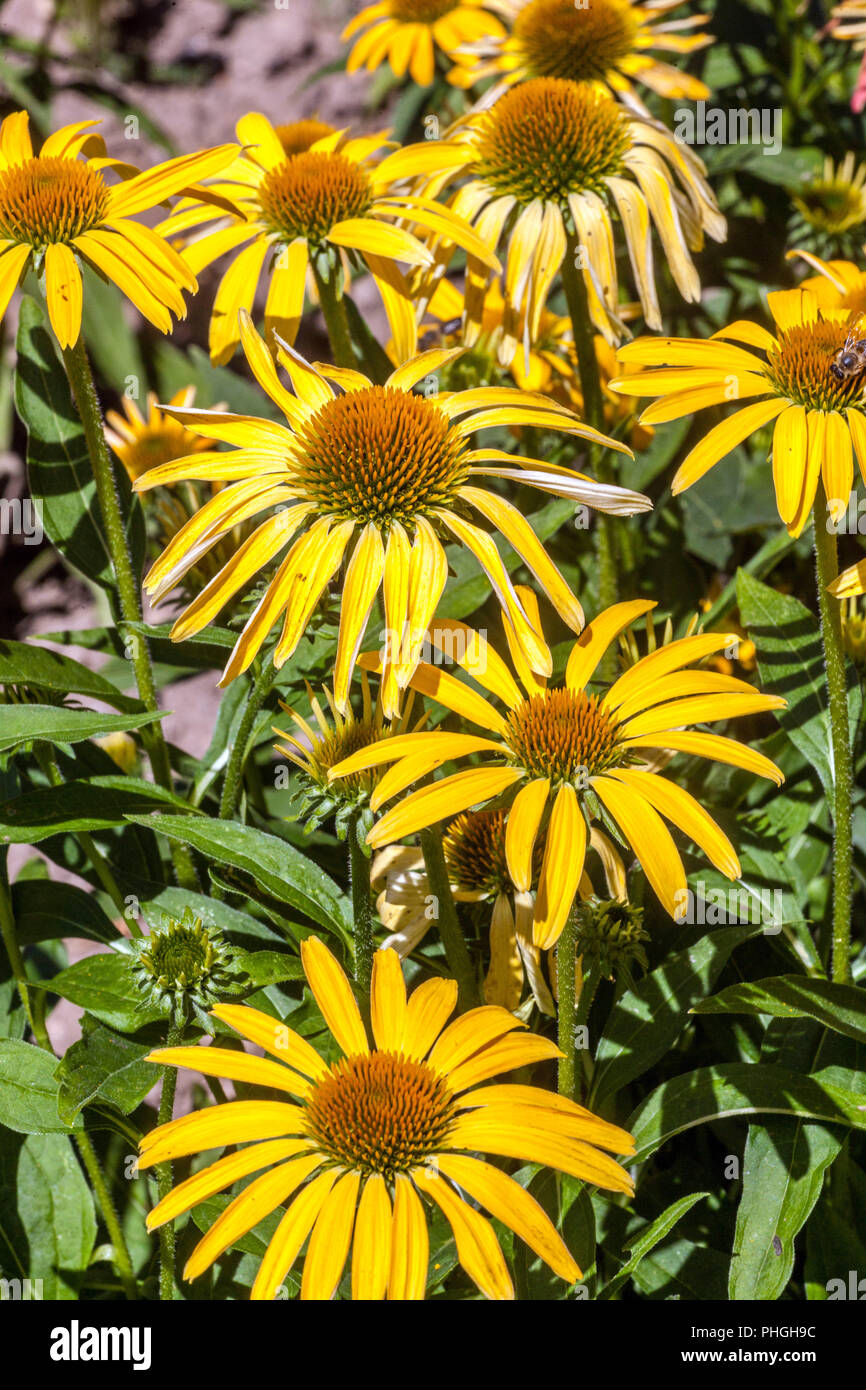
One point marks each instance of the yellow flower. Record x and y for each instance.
(848, 22)
(474, 847)
(550, 161)
(382, 467)
(834, 202)
(316, 748)
(607, 42)
(356, 1145)
(571, 756)
(57, 209)
(409, 33)
(820, 420)
(145, 442)
(547, 364)
(333, 198)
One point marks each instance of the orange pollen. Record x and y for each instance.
(297, 136)
(421, 11)
(379, 454)
(380, 1113)
(474, 846)
(547, 138)
(800, 370)
(50, 200)
(557, 39)
(563, 735)
(309, 193)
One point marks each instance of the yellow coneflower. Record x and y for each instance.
(356, 1145)
(547, 164)
(142, 442)
(474, 847)
(315, 748)
(820, 420)
(549, 365)
(832, 205)
(608, 42)
(388, 464)
(568, 758)
(56, 209)
(408, 34)
(331, 197)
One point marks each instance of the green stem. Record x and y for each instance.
(566, 955)
(326, 273)
(827, 568)
(163, 1170)
(456, 951)
(359, 875)
(122, 1260)
(84, 390)
(604, 530)
(233, 780)
(16, 962)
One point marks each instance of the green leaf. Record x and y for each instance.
(269, 967)
(840, 1007)
(791, 664)
(105, 986)
(651, 1235)
(58, 464)
(59, 724)
(97, 804)
(24, 664)
(646, 1022)
(738, 1088)
(28, 1089)
(104, 1065)
(48, 911)
(274, 864)
(784, 1163)
(47, 1218)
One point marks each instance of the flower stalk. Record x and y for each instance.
(81, 380)
(456, 952)
(827, 569)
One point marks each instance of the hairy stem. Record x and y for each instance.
(326, 273)
(233, 780)
(566, 1004)
(827, 568)
(362, 914)
(456, 951)
(163, 1170)
(81, 380)
(604, 530)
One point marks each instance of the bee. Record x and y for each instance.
(850, 360)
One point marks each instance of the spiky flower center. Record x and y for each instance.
(342, 743)
(474, 845)
(421, 11)
(832, 205)
(801, 371)
(563, 735)
(612, 933)
(380, 1113)
(547, 138)
(296, 137)
(555, 38)
(50, 200)
(180, 957)
(379, 454)
(157, 445)
(310, 192)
